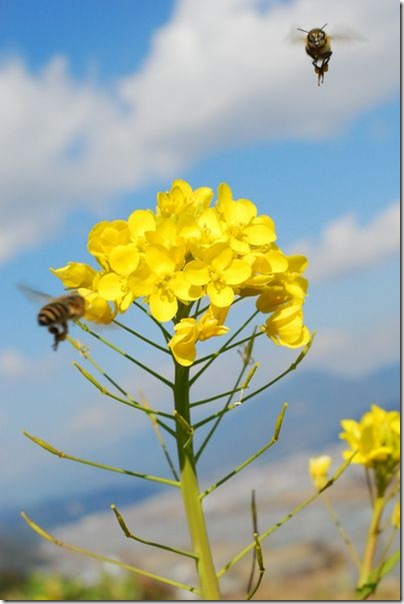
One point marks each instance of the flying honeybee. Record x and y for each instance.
(318, 47)
(56, 314)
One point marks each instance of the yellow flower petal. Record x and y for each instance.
(220, 296)
(141, 222)
(162, 307)
(124, 259)
(237, 272)
(197, 272)
(111, 287)
(159, 261)
(75, 274)
(182, 344)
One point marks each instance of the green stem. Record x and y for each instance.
(190, 489)
(371, 542)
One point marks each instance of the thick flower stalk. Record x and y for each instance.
(186, 264)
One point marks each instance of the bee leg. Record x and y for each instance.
(327, 57)
(54, 330)
(320, 74)
(323, 68)
(58, 334)
(325, 61)
(63, 333)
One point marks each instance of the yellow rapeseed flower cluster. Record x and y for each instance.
(188, 249)
(376, 438)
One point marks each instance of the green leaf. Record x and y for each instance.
(366, 590)
(376, 575)
(389, 564)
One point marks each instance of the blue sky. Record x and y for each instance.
(102, 104)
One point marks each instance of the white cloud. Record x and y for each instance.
(345, 246)
(356, 353)
(219, 74)
(15, 365)
(12, 364)
(92, 419)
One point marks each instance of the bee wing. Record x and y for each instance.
(294, 36)
(33, 294)
(346, 34)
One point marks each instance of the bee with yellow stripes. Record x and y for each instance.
(57, 312)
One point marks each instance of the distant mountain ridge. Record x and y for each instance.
(317, 403)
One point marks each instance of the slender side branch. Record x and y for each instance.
(222, 349)
(230, 393)
(130, 401)
(210, 399)
(291, 367)
(253, 457)
(62, 455)
(230, 347)
(285, 518)
(257, 554)
(166, 334)
(157, 431)
(131, 535)
(49, 537)
(210, 418)
(246, 361)
(139, 335)
(261, 567)
(126, 355)
(344, 535)
(258, 334)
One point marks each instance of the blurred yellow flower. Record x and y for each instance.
(318, 469)
(396, 515)
(376, 438)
